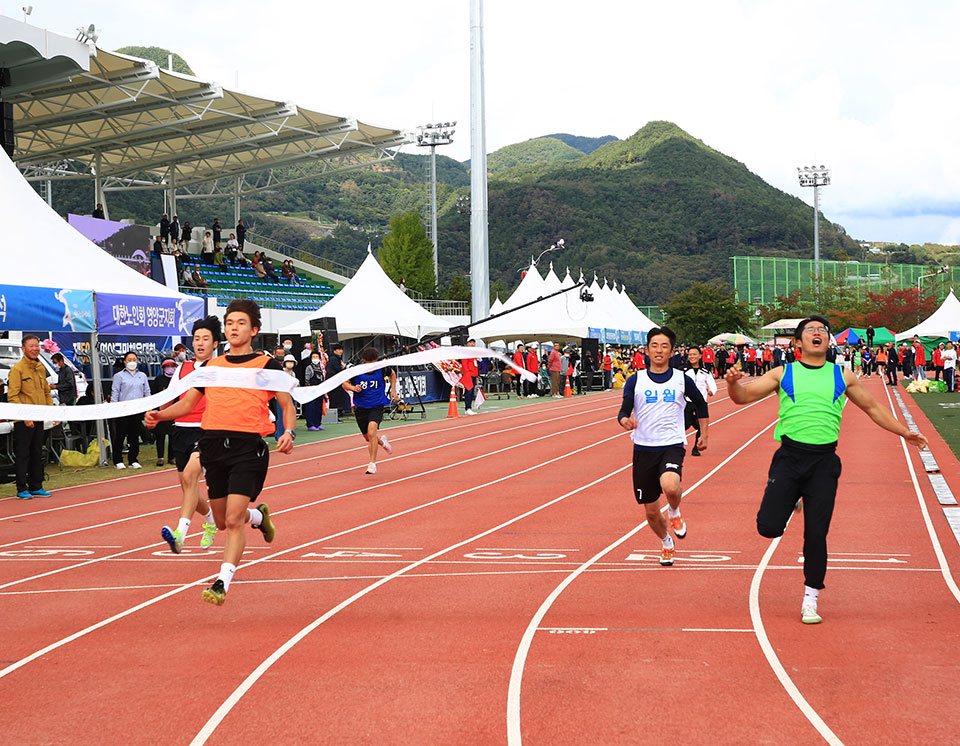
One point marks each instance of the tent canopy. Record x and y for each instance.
(372, 304)
(940, 323)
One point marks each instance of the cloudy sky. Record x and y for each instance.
(868, 88)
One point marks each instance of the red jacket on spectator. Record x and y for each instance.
(468, 371)
(708, 356)
(533, 363)
(607, 362)
(518, 359)
(937, 358)
(921, 355)
(553, 362)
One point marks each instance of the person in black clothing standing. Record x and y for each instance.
(870, 335)
(241, 233)
(175, 230)
(337, 397)
(892, 362)
(217, 232)
(98, 213)
(165, 230)
(157, 247)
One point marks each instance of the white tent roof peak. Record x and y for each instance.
(369, 249)
(940, 323)
(372, 304)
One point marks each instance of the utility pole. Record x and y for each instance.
(479, 250)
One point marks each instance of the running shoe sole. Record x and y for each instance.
(168, 537)
(215, 594)
(666, 558)
(810, 616)
(206, 541)
(266, 525)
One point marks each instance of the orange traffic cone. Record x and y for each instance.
(452, 409)
(567, 393)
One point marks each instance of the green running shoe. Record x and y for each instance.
(173, 538)
(209, 533)
(216, 594)
(809, 615)
(266, 525)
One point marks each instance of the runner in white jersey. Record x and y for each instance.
(653, 407)
(705, 384)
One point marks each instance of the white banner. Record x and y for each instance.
(242, 378)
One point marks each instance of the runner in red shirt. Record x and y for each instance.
(533, 366)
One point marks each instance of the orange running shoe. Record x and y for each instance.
(679, 526)
(666, 557)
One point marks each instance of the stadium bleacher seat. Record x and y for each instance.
(242, 282)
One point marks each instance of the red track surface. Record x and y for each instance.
(398, 609)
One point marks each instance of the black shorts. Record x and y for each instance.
(233, 463)
(647, 468)
(365, 416)
(183, 443)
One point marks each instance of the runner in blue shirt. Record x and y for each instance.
(369, 399)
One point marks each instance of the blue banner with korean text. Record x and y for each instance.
(134, 314)
(638, 338)
(595, 333)
(624, 337)
(610, 336)
(48, 309)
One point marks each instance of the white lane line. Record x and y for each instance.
(379, 485)
(711, 629)
(934, 539)
(211, 725)
(127, 612)
(513, 428)
(514, 737)
(809, 713)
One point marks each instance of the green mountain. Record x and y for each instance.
(158, 55)
(657, 211)
(538, 150)
(583, 144)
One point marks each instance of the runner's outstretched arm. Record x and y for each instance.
(858, 394)
(179, 409)
(768, 383)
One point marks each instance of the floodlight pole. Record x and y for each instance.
(816, 177)
(431, 135)
(479, 251)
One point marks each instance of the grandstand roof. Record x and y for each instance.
(129, 122)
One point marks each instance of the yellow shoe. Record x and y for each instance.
(216, 594)
(266, 525)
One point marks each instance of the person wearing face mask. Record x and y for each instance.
(180, 353)
(314, 375)
(163, 431)
(128, 384)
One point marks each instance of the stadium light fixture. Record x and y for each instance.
(430, 136)
(816, 177)
(27, 10)
(89, 34)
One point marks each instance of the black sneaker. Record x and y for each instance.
(695, 451)
(215, 594)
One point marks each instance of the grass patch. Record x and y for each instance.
(943, 410)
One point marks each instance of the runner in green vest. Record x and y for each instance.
(812, 396)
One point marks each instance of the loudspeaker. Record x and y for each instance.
(459, 337)
(327, 325)
(6, 127)
(592, 346)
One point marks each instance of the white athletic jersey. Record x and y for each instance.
(658, 409)
(704, 381)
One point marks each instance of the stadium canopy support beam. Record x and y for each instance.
(98, 195)
(172, 190)
(236, 201)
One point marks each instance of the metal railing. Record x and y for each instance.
(301, 254)
(446, 307)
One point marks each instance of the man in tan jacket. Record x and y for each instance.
(27, 384)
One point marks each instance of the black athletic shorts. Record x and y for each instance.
(233, 463)
(647, 468)
(183, 443)
(366, 416)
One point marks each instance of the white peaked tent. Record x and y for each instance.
(530, 288)
(40, 249)
(372, 304)
(940, 323)
(496, 307)
(641, 322)
(551, 283)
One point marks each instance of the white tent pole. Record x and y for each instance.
(97, 382)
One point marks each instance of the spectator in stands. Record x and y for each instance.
(157, 247)
(175, 230)
(98, 213)
(28, 385)
(165, 230)
(289, 273)
(198, 280)
(258, 265)
(403, 285)
(186, 279)
(241, 233)
(128, 384)
(206, 248)
(217, 232)
(232, 249)
(218, 259)
(267, 263)
(185, 235)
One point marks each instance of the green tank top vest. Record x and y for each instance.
(811, 403)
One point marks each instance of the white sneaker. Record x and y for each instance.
(469, 411)
(135, 465)
(385, 444)
(371, 468)
(809, 615)
(119, 466)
